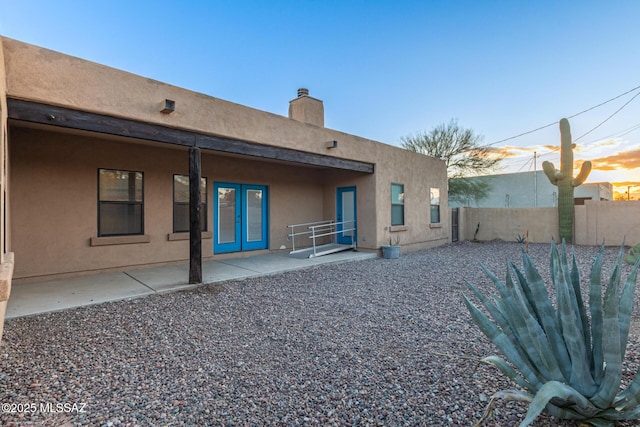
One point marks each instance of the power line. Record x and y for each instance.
(605, 102)
(635, 128)
(552, 151)
(517, 162)
(522, 134)
(530, 161)
(605, 120)
(619, 133)
(572, 116)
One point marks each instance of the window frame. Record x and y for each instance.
(431, 206)
(402, 193)
(204, 204)
(116, 202)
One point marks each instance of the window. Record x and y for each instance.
(435, 206)
(120, 203)
(181, 203)
(397, 204)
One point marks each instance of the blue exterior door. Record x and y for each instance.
(346, 211)
(254, 217)
(240, 217)
(227, 217)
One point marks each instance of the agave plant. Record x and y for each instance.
(565, 359)
(633, 255)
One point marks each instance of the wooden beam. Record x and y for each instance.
(36, 112)
(216, 143)
(195, 217)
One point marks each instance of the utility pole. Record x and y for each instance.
(535, 181)
(629, 187)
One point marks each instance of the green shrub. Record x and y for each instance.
(564, 360)
(633, 255)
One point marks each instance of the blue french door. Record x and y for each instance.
(346, 212)
(240, 217)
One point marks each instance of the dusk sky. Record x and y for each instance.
(385, 69)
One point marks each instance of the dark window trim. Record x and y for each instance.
(100, 202)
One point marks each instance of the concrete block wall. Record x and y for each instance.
(610, 221)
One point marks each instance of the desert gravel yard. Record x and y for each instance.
(374, 342)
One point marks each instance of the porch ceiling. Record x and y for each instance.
(44, 114)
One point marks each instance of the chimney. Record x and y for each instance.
(306, 109)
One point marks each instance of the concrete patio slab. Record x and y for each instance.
(268, 263)
(162, 279)
(60, 294)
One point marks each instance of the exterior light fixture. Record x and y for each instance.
(168, 107)
(331, 144)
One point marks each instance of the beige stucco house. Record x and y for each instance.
(96, 164)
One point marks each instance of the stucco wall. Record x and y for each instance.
(55, 201)
(509, 223)
(418, 174)
(54, 206)
(6, 274)
(611, 222)
(55, 239)
(595, 222)
(365, 203)
(39, 74)
(3, 151)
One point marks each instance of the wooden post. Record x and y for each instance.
(195, 228)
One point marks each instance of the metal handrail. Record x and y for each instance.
(320, 229)
(293, 233)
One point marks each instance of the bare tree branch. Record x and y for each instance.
(462, 152)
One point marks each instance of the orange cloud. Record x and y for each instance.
(606, 143)
(626, 183)
(508, 151)
(622, 160)
(505, 152)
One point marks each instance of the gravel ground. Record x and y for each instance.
(375, 342)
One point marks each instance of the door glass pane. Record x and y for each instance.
(226, 215)
(254, 215)
(348, 210)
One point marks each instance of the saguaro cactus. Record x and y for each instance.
(565, 181)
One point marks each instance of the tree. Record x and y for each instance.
(462, 152)
(465, 190)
